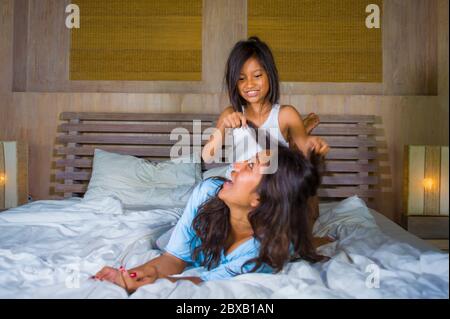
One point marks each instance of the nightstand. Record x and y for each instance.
(432, 229)
(13, 174)
(425, 193)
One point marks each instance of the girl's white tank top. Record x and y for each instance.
(244, 144)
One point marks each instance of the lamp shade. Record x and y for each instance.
(13, 174)
(426, 180)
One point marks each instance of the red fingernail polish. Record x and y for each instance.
(133, 275)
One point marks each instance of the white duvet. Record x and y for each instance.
(49, 249)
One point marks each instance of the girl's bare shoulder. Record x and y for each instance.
(228, 110)
(289, 113)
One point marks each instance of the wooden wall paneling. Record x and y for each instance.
(47, 42)
(410, 47)
(443, 54)
(225, 23)
(20, 45)
(409, 52)
(6, 48)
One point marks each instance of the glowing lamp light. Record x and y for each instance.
(428, 184)
(2, 179)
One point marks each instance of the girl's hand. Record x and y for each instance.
(320, 241)
(234, 120)
(316, 144)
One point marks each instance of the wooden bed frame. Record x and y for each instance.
(351, 165)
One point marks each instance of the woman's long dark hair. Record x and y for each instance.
(279, 221)
(241, 52)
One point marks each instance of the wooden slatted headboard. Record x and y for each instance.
(351, 166)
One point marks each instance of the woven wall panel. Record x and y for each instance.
(137, 40)
(319, 40)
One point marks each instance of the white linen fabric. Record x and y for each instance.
(49, 249)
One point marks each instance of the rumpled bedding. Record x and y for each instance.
(50, 249)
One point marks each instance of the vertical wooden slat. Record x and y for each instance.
(360, 161)
(443, 205)
(2, 173)
(432, 173)
(70, 157)
(416, 173)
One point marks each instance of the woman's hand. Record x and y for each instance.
(141, 279)
(109, 274)
(316, 144)
(128, 281)
(234, 120)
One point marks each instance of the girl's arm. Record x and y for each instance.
(290, 117)
(228, 119)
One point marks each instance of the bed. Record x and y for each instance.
(49, 249)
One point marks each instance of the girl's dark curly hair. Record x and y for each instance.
(241, 52)
(280, 222)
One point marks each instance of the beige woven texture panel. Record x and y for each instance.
(319, 40)
(137, 40)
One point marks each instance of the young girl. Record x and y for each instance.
(254, 222)
(254, 91)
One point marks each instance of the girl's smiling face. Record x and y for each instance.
(253, 83)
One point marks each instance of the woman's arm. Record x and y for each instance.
(228, 119)
(165, 265)
(148, 273)
(160, 267)
(178, 250)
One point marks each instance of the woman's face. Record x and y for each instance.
(253, 83)
(245, 178)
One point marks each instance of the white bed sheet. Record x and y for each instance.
(49, 249)
(395, 231)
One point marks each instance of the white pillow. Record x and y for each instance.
(135, 181)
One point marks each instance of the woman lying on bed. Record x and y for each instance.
(256, 222)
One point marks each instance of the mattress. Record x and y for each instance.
(50, 249)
